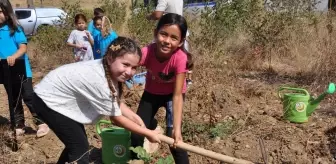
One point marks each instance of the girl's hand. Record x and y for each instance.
(11, 60)
(77, 58)
(79, 46)
(87, 34)
(177, 136)
(153, 137)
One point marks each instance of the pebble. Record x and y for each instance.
(241, 122)
(273, 154)
(312, 124)
(25, 146)
(217, 140)
(234, 116)
(240, 154)
(226, 151)
(317, 161)
(237, 139)
(261, 112)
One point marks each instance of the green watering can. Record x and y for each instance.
(298, 105)
(116, 142)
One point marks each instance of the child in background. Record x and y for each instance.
(97, 22)
(107, 36)
(81, 93)
(81, 40)
(167, 63)
(97, 12)
(103, 36)
(14, 46)
(189, 77)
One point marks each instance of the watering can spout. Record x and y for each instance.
(316, 101)
(313, 103)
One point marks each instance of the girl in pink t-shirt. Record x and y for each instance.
(166, 62)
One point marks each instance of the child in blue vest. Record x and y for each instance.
(97, 12)
(103, 36)
(13, 47)
(97, 22)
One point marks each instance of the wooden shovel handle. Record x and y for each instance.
(203, 152)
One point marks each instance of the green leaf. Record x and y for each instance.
(141, 153)
(167, 160)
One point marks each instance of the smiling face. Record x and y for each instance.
(123, 67)
(168, 39)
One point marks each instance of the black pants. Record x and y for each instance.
(26, 93)
(148, 107)
(70, 132)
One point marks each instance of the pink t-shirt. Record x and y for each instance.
(161, 76)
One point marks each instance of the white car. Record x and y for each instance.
(33, 18)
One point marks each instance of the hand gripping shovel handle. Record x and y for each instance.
(203, 152)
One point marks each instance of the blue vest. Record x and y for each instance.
(10, 44)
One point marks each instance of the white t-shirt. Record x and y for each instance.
(80, 38)
(170, 6)
(79, 91)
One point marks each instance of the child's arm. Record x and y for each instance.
(72, 39)
(124, 122)
(20, 52)
(21, 43)
(177, 106)
(159, 10)
(127, 112)
(89, 37)
(74, 45)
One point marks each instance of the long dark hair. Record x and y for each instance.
(8, 12)
(175, 19)
(119, 47)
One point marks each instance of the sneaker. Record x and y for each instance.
(19, 132)
(42, 130)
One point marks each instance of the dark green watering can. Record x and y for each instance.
(116, 142)
(298, 105)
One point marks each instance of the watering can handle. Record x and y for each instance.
(99, 123)
(293, 89)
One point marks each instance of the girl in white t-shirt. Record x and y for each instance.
(81, 93)
(81, 40)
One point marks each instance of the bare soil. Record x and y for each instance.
(219, 94)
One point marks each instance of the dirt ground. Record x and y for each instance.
(219, 94)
